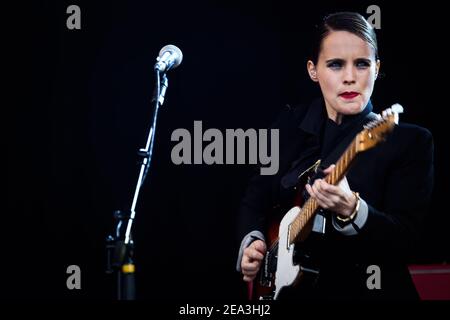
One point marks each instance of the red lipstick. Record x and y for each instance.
(349, 94)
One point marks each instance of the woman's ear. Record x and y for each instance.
(377, 68)
(312, 71)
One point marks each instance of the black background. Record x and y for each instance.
(81, 110)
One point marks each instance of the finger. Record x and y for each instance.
(248, 260)
(312, 191)
(245, 260)
(321, 198)
(248, 279)
(253, 254)
(329, 188)
(250, 267)
(329, 169)
(309, 189)
(322, 186)
(317, 187)
(332, 196)
(259, 245)
(250, 272)
(331, 201)
(326, 187)
(333, 193)
(323, 202)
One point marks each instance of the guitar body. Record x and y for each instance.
(287, 272)
(285, 265)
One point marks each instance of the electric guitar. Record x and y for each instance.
(278, 269)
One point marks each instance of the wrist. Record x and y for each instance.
(353, 214)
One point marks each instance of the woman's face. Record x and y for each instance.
(346, 71)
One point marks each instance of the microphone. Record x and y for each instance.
(169, 57)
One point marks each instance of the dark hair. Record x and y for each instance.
(344, 21)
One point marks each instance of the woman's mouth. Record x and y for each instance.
(349, 94)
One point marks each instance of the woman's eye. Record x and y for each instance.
(362, 64)
(334, 65)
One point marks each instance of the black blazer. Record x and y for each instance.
(395, 179)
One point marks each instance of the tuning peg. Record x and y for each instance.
(397, 108)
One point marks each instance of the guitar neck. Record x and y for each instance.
(310, 207)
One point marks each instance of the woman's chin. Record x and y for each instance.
(350, 107)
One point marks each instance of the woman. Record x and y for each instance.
(371, 217)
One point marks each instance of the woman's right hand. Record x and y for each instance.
(252, 258)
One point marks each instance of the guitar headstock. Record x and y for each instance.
(375, 131)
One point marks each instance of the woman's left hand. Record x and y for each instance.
(339, 199)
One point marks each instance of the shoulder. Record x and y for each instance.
(290, 116)
(411, 140)
(413, 133)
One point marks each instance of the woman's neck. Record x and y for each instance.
(333, 115)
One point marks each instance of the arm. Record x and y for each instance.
(258, 199)
(391, 229)
(407, 196)
(252, 222)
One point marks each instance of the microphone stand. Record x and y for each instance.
(120, 246)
